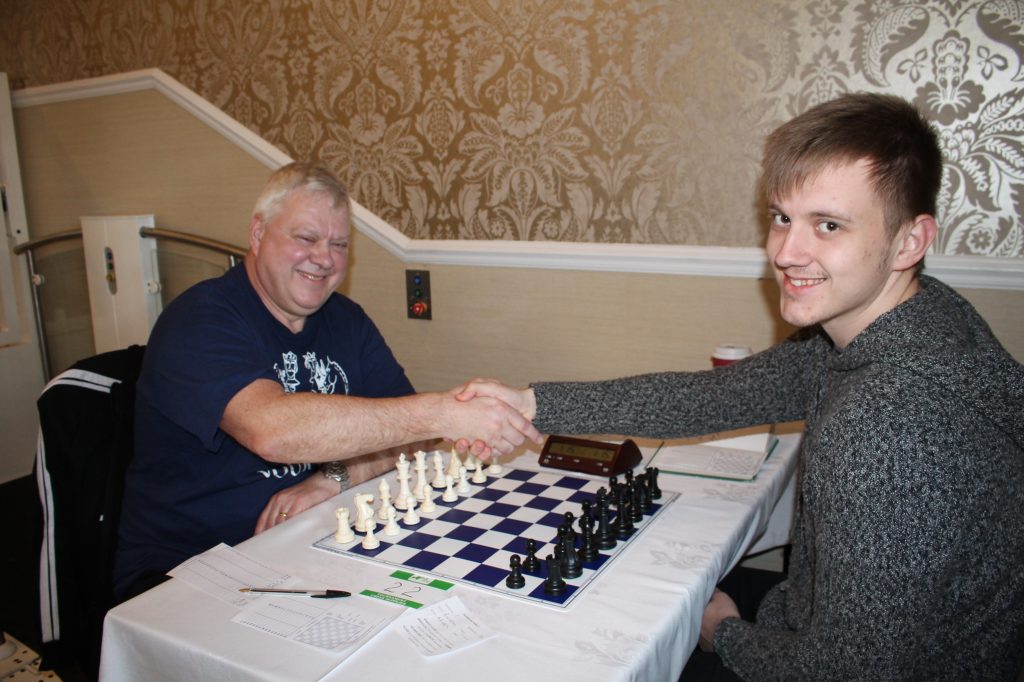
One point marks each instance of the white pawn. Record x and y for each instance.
(479, 476)
(370, 540)
(344, 533)
(438, 481)
(471, 462)
(385, 499)
(428, 506)
(462, 487)
(449, 493)
(391, 527)
(495, 468)
(411, 518)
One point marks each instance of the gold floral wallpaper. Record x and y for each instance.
(573, 120)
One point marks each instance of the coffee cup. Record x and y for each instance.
(728, 353)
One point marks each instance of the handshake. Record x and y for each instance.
(489, 419)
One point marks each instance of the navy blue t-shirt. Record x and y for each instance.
(190, 485)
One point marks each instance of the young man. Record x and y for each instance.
(252, 378)
(908, 542)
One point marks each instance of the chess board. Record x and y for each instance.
(471, 540)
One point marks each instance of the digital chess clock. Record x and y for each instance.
(590, 456)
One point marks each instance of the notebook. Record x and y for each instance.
(736, 455)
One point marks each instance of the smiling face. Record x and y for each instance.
(299, 256)
(835, 263)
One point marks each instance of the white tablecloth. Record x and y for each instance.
(638, 621)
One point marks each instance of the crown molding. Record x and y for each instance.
(979, 272)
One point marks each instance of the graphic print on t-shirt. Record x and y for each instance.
(323, 374)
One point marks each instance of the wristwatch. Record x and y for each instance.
(338, 471)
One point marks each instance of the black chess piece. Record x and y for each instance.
(652, 473)
(532, 563)
(605, 535)
(588, 544)
(515, 579)
(569, 524)
(586, 513)
(553, 584)
(648, 499)
(637, 501)
(570, 564)
(624, 518)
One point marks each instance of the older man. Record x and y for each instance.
(252, 378)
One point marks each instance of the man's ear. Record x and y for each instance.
(256, 231)
(913, 242)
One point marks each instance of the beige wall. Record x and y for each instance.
(140, 153)
(523, 325)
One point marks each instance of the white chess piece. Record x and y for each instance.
(385, 499)
(462, 487)
(479, 476)
(471, 462)
(401, 500)
(453, 465)
(391, 527)
(495, 468)
(370, 540)
(449, 493)
(438, 481)
(344, 533)
(360, 522)
(421, 475)
(428, 506)
(411, 518)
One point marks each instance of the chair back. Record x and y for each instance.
(85, 444)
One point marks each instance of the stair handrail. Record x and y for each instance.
(234, 254)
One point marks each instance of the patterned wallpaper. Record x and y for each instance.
(574, 120)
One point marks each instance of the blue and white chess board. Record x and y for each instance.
(471, 540)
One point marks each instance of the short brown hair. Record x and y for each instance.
(295, 176)
(900, 144)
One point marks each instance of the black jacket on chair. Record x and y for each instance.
(85, 445)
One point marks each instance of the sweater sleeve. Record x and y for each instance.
(772, 386)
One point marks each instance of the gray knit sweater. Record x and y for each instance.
(908, 548)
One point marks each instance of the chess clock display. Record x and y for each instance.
(590, 456)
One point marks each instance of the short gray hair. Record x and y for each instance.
(296, 176)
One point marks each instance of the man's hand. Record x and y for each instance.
(718, 609)
(522, 400)
(495, 426)
(296, 499)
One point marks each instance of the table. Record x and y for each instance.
(639, 621)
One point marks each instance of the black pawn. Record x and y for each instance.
(532, 563)
(515, 579)
(553, 584)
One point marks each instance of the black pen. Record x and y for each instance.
(316, 594)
